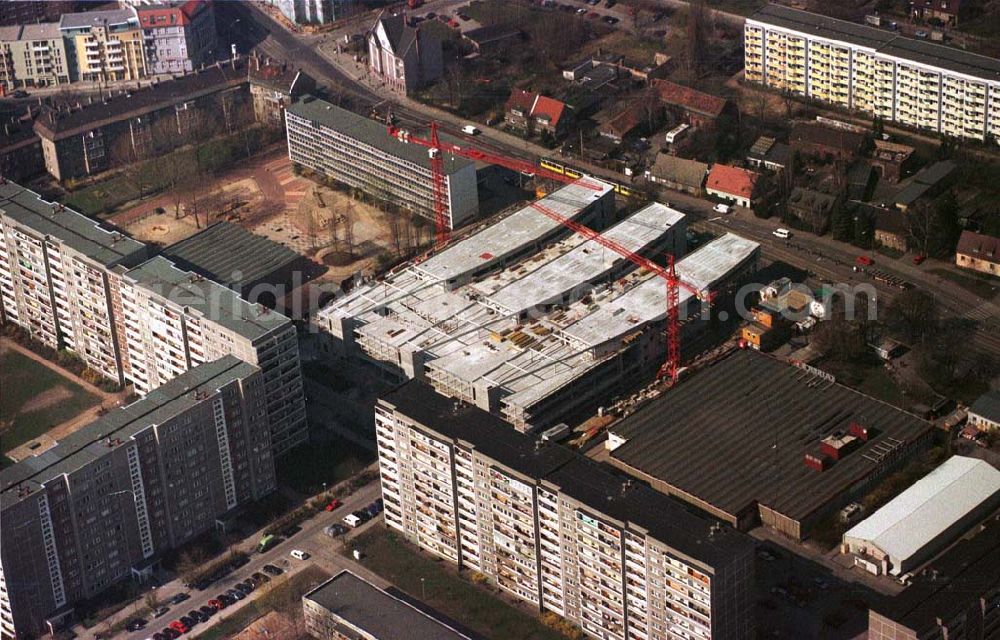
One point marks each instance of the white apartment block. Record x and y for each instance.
(920, 84)
(173, 320)
(555, 529)
(54, 266)
(360, 153)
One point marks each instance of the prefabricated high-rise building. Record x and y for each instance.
(555, 529)
(360, 153)
(109, 499)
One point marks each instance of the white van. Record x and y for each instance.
(299, 554)
(470, 130)
(352, 520)
(676, 133)
(782, 233)
(721, 208)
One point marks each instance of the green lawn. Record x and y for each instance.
(34, 398)
(982, 285)
(440, 587)
(306, 468)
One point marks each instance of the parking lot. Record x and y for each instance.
(245, 583)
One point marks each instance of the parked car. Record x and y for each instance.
(471, 130)
(260, 577)
(217, 604)
(335, 530)
(135, 624)
(610, 20)
(195, 615)
(782, 233)
(20, 93)
(273, 570)
(179, 627)
(179, 598)
(721, 208)
(236, 593)
(352, 520)
(921, 34)
(298, 554)
(170, 633)
(208, 610)
(865, 261)
(919, 259)
(333, 504)
(159, 612)
(243, 587)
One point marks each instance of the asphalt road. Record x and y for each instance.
(323, 550)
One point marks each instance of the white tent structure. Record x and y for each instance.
(920, 521)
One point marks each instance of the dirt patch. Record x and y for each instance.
(46, 399)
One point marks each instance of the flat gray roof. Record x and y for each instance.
(84, 235)
(368, 131)
(761, 415)
(230, 254)
(589, 261)
(90, 442)
(376, 612)
(513, 233)
(112, 17)
(41, 31)
(212, 300)
(886, 42)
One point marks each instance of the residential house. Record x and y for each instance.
(978, 252)
(180, 35)
(405, 58)
(20, 150)
(946, 11)
(984, 413)
(104, 46)
(525, 110)
(814, 139)
(698, 108)
(493, 38)
(813, 208)
(638, 116)
(927, 183)
(734, 184)
(768, 153)
(891, 159)
(274, 86)
(678, 174)
(33, 11)
(891, 229)
(662, 65)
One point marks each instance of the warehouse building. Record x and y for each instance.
(360, 153)
(110, 499)
(54, 276)
(802, 445)
(347, 606)
(555, 529)
(957, 596)
(917, 523)
(921, 84)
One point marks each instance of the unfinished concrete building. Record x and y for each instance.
(527, 324)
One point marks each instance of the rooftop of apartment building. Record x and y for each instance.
(591, 483)
(209, 299)
(376, 612)
(110, 17)
(950, 585)
(66, 120)
(94, 440)
(229, 254)
(784, 412)
(84, 235)
(886, 42)
(371, 132)
(33, 31)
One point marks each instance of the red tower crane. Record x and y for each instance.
(436, 149)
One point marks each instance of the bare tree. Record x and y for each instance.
(349, 219)
(697, 27)
(130, 157)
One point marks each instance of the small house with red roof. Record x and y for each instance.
(525, 110)
(734, 184)
(179, 36)
(698, 108)
(947, 11)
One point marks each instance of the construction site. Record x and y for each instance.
(533, 322)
